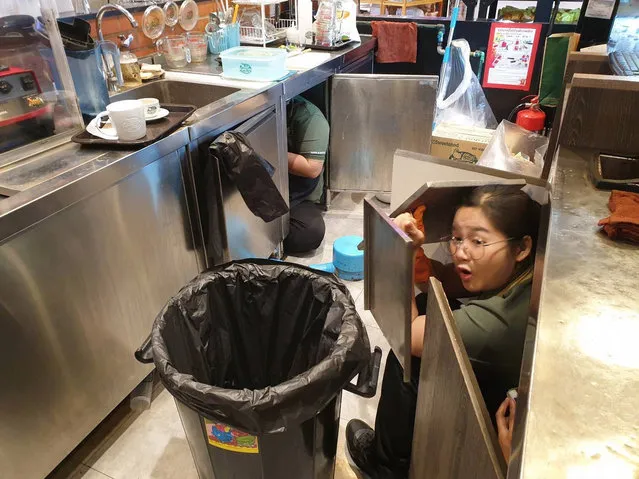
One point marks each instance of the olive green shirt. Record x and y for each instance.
(308, 135)
(493, 329)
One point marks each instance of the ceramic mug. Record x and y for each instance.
(151, 107)
(127, 117)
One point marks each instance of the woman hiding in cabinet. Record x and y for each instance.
(491, 245)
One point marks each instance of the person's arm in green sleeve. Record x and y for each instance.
(478, 323)
(301, 166)
(311, 146)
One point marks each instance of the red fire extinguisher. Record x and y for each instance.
(531, 117)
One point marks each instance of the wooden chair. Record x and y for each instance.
(425, 6)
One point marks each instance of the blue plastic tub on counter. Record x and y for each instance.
(254, 63)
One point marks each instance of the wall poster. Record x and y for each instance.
(510, 60)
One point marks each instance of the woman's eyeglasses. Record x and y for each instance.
(475, 248)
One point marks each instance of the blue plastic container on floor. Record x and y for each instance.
(348, 261)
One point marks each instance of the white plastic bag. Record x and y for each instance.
(325, 26)
(515, 149)
(460, 99)
(336, 20)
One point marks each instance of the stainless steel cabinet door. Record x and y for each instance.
(247, 235)
(78, 294)
(371, 117)
(388, 281)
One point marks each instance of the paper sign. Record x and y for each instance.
(230, 439)
(600, 9)
(512, 48)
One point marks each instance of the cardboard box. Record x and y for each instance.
(461, 143)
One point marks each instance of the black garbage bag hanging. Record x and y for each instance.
(259, 345)
(251, 174)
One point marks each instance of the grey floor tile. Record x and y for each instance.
(366, 316)
(347, 202)
(89, 473)
(99, 440)
(360, 295)
(72, 470)
(152, 446)
(353, 203)
(355, 288)
(338, 226)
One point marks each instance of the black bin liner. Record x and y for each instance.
(259, 345)
(251, 174)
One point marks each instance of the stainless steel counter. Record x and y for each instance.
(58, 178)
(335, 61)
(65, 175)
(580, 401)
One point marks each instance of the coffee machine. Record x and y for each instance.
(25, 114)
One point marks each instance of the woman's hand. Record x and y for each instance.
(408, 225)
(505, 425)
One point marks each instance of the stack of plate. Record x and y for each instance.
(151, 72)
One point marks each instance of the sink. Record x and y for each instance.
(177, 92)
(616, 172)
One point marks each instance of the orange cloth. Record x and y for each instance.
(623, 223)
(396, 42)
(423, 267)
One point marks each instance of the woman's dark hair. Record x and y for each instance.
(509, 209)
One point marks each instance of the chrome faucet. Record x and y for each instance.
(111, 63)
(112, 6)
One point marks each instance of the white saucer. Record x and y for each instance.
(162, 112)
(107, 132)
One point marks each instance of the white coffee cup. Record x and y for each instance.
(127, 117)
(151, 107)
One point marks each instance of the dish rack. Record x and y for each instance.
(271, 29)
(261, 36)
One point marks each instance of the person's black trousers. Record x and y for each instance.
(395, 418)
(306, 228)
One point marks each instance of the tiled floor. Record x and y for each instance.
(152, 444)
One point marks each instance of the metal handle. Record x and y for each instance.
(144, 354)
(367, 379)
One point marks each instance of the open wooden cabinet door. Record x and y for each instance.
(454, 436)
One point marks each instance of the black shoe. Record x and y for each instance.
(359, 441)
